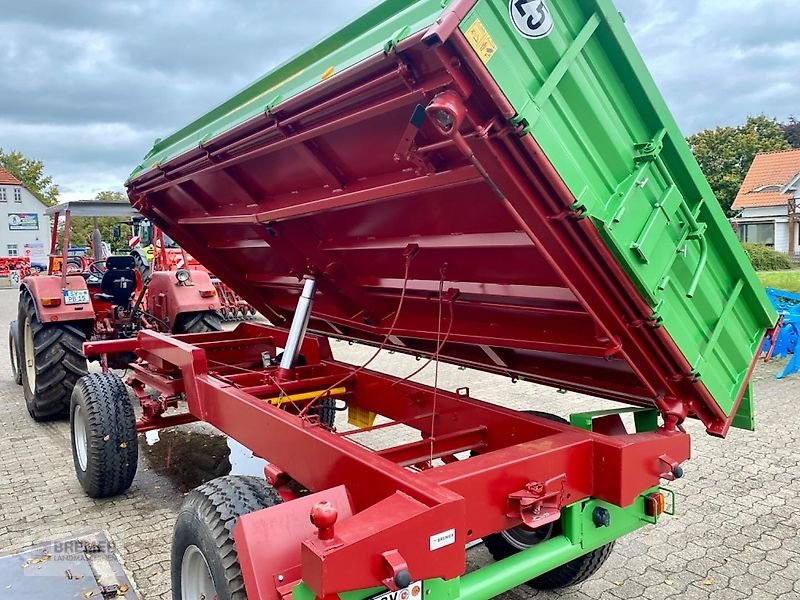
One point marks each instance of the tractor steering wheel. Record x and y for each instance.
(95, 267)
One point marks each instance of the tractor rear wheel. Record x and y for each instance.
(51, 360)
(198, 322)
(13, 349)
(507, 543)
(103, 432)
(205, 563)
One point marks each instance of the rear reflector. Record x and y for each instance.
(654, 504)
(51, 301)
(208, 293)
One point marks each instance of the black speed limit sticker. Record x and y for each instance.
(532, 18)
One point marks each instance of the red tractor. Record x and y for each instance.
(61, 310)
(153, 250)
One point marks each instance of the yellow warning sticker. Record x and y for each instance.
(481, 41)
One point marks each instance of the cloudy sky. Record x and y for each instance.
(87, 85)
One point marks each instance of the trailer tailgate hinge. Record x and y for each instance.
(538, 503)
(391, 44)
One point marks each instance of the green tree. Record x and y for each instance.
(81, 228)
(30, 172)
(726, 153)
(791, 131)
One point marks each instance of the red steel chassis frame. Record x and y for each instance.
(391, 512)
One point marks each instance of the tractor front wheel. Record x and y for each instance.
(205, 563)
(103, 431)
(197, 322)
(51, 361)
(13, 349)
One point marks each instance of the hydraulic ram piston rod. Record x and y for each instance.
(299, 325)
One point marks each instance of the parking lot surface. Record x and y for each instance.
(735, 534)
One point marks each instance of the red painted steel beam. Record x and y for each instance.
(435, 447)
(375, 189)
(378, 107)
(386, 191)
(163, 422)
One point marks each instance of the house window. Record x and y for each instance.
(3, 197)
(757, 233)
(12, 250)
(17, 194)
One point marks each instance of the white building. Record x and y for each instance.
(768, 201)
(24, 228)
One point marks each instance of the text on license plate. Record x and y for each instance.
(76, 296)
(412, 592)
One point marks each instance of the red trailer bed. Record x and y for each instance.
(394, 194)
(332, 184)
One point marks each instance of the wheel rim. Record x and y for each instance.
(196, 581)
(522, 537)
(12, 348)
(30, 366)
(79, 436)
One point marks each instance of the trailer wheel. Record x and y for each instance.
(51, 360)
(204, 559)
(198, 322)
(13, 350)
(103, 431)
(326, 410)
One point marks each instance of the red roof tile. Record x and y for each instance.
(768, 169)
(7, 178)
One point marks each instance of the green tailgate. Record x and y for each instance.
(587, 98)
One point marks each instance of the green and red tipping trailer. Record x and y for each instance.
(491, 183)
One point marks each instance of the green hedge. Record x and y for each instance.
(764, 258)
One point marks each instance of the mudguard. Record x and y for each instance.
(167, 298)
(50, 287)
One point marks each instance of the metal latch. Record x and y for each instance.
(539, 503)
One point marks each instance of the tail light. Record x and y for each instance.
(56, 301)
(654, 504)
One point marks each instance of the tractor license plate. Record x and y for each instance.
(76, 296)
(412, 592)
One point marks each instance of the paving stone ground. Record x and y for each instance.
(735, 535)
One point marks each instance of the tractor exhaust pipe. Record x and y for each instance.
(299, 325)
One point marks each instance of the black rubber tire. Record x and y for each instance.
(58, 362)
(112, 449)
(568, 574)
(206, 521)
(326, 410)
(575, 571)
(197, 322)
(141, 266)
(13, 352)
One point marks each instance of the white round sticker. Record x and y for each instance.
(532, 18)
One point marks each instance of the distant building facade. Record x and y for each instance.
(768, 200)
(24, 228)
